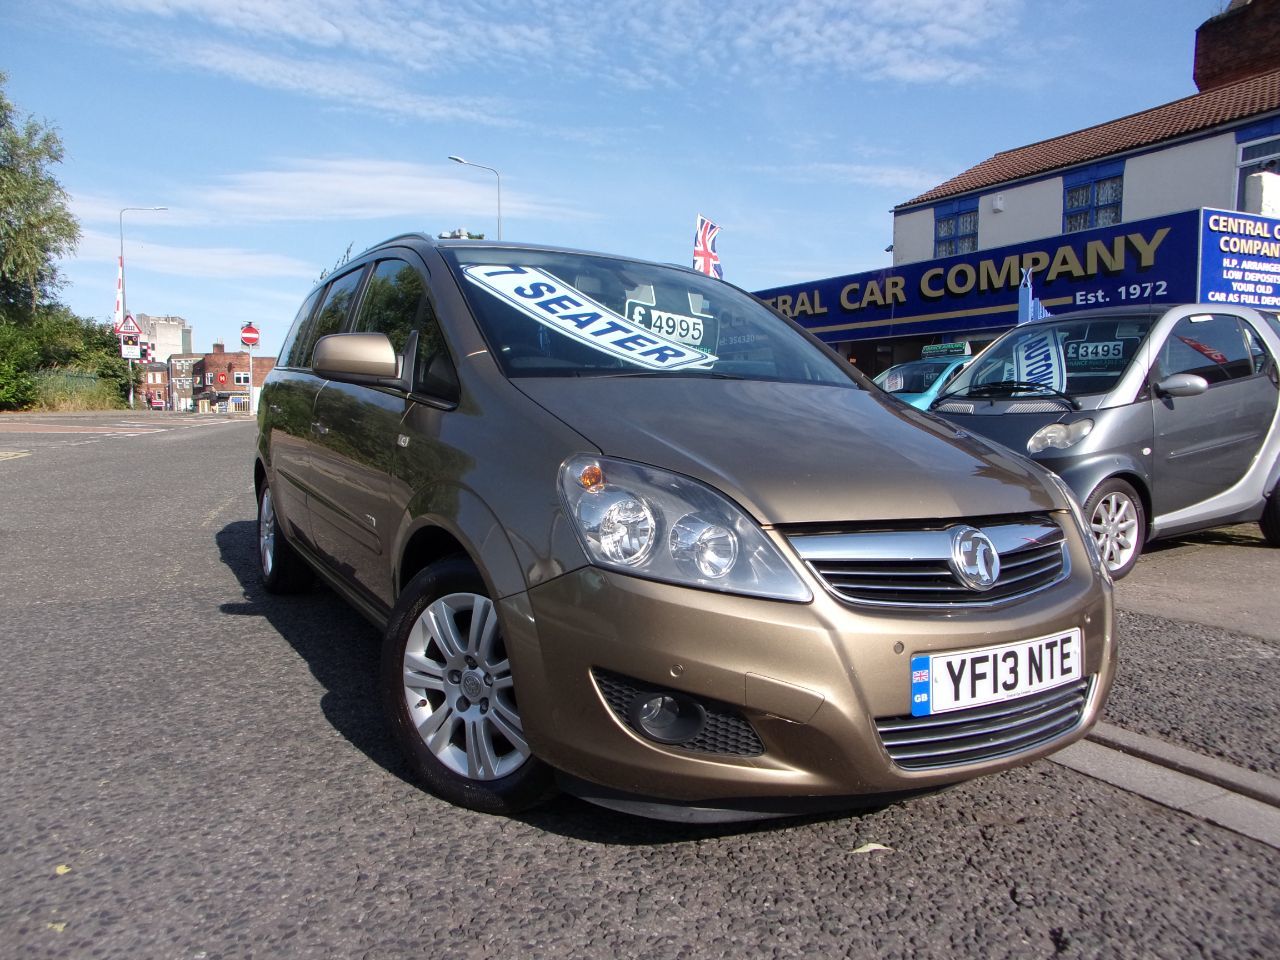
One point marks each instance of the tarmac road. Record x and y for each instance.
(195, 769)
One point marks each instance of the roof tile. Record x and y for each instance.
(1236, 101)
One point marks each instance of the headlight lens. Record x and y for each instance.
(649, 522)
(1059, 435)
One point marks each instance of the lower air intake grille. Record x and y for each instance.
(983, 733)
(727, 733)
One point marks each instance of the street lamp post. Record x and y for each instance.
(496, 174)
(124, 308)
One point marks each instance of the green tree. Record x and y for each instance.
(36, 228)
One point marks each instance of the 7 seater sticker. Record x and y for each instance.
(569, 311)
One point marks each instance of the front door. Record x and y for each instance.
(1204, 444)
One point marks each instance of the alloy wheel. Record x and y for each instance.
(1115, 527)
(459, 689)
(267, 533)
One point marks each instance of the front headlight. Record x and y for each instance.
(1059, 435)
(1086, 533)
(650, 523)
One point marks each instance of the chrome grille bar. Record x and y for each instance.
(983, 733)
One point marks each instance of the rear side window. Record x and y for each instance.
(328, 319)
(1209, 346)
(395, 302)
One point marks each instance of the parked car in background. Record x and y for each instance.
(918, 382)
(630, 533)
(1162, 420)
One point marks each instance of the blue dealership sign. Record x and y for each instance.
(1143, 261)
(1240, 259)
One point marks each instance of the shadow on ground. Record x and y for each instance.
(341, 649)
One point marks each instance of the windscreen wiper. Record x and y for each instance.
(1010, 387)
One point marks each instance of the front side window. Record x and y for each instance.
(955, 227)
(1212, 346)
(557, 314)
(396, 302)
(1092, 197)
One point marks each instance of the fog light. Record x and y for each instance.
(666, 717)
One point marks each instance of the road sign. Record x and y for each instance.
(249, 335)
(222, 378)
(129, 348)
(129, 327)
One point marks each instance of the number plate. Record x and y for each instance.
(942, 682)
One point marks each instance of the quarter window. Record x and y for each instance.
(299, 323)
(955, 227)
(1092, 197)
(328, 319)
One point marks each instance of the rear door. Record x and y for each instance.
(1204, 444)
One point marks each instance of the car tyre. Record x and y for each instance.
(1270, 522)
(279, 566)
(450, 695)
(1118, 523)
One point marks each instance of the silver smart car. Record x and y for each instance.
(1162, 420)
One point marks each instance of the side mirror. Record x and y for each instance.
(366, 358)
(1182, 385)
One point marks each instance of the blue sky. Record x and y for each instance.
(277, 132)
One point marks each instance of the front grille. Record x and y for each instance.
(912, 568)
(983, 733)
(727, 733)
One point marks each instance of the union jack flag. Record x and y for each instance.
(919, 676)
(705, 258)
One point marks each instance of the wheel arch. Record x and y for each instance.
(467, 529)
(1084, 478)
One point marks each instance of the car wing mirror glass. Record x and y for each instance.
(1182, 385)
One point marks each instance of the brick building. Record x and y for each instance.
(223, 381)
(153, 391)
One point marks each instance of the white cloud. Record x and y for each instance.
(353, 189)
(889, 176)
(209, 262)
(376, 53)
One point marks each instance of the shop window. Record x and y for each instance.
(1092, 197)
(955, 227)
(1260, 157)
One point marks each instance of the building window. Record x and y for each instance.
(1092, 197)
(208, 379)
(955, 227)
(242, 378)
(1260, 157)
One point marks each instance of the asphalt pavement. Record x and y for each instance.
(195, 769)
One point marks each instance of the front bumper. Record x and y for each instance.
(810, 679)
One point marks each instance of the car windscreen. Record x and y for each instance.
(1072, 357)
(914, 377)
(563, 314)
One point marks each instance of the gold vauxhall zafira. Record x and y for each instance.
(630, 533)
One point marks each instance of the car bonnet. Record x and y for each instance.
(797, 453)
